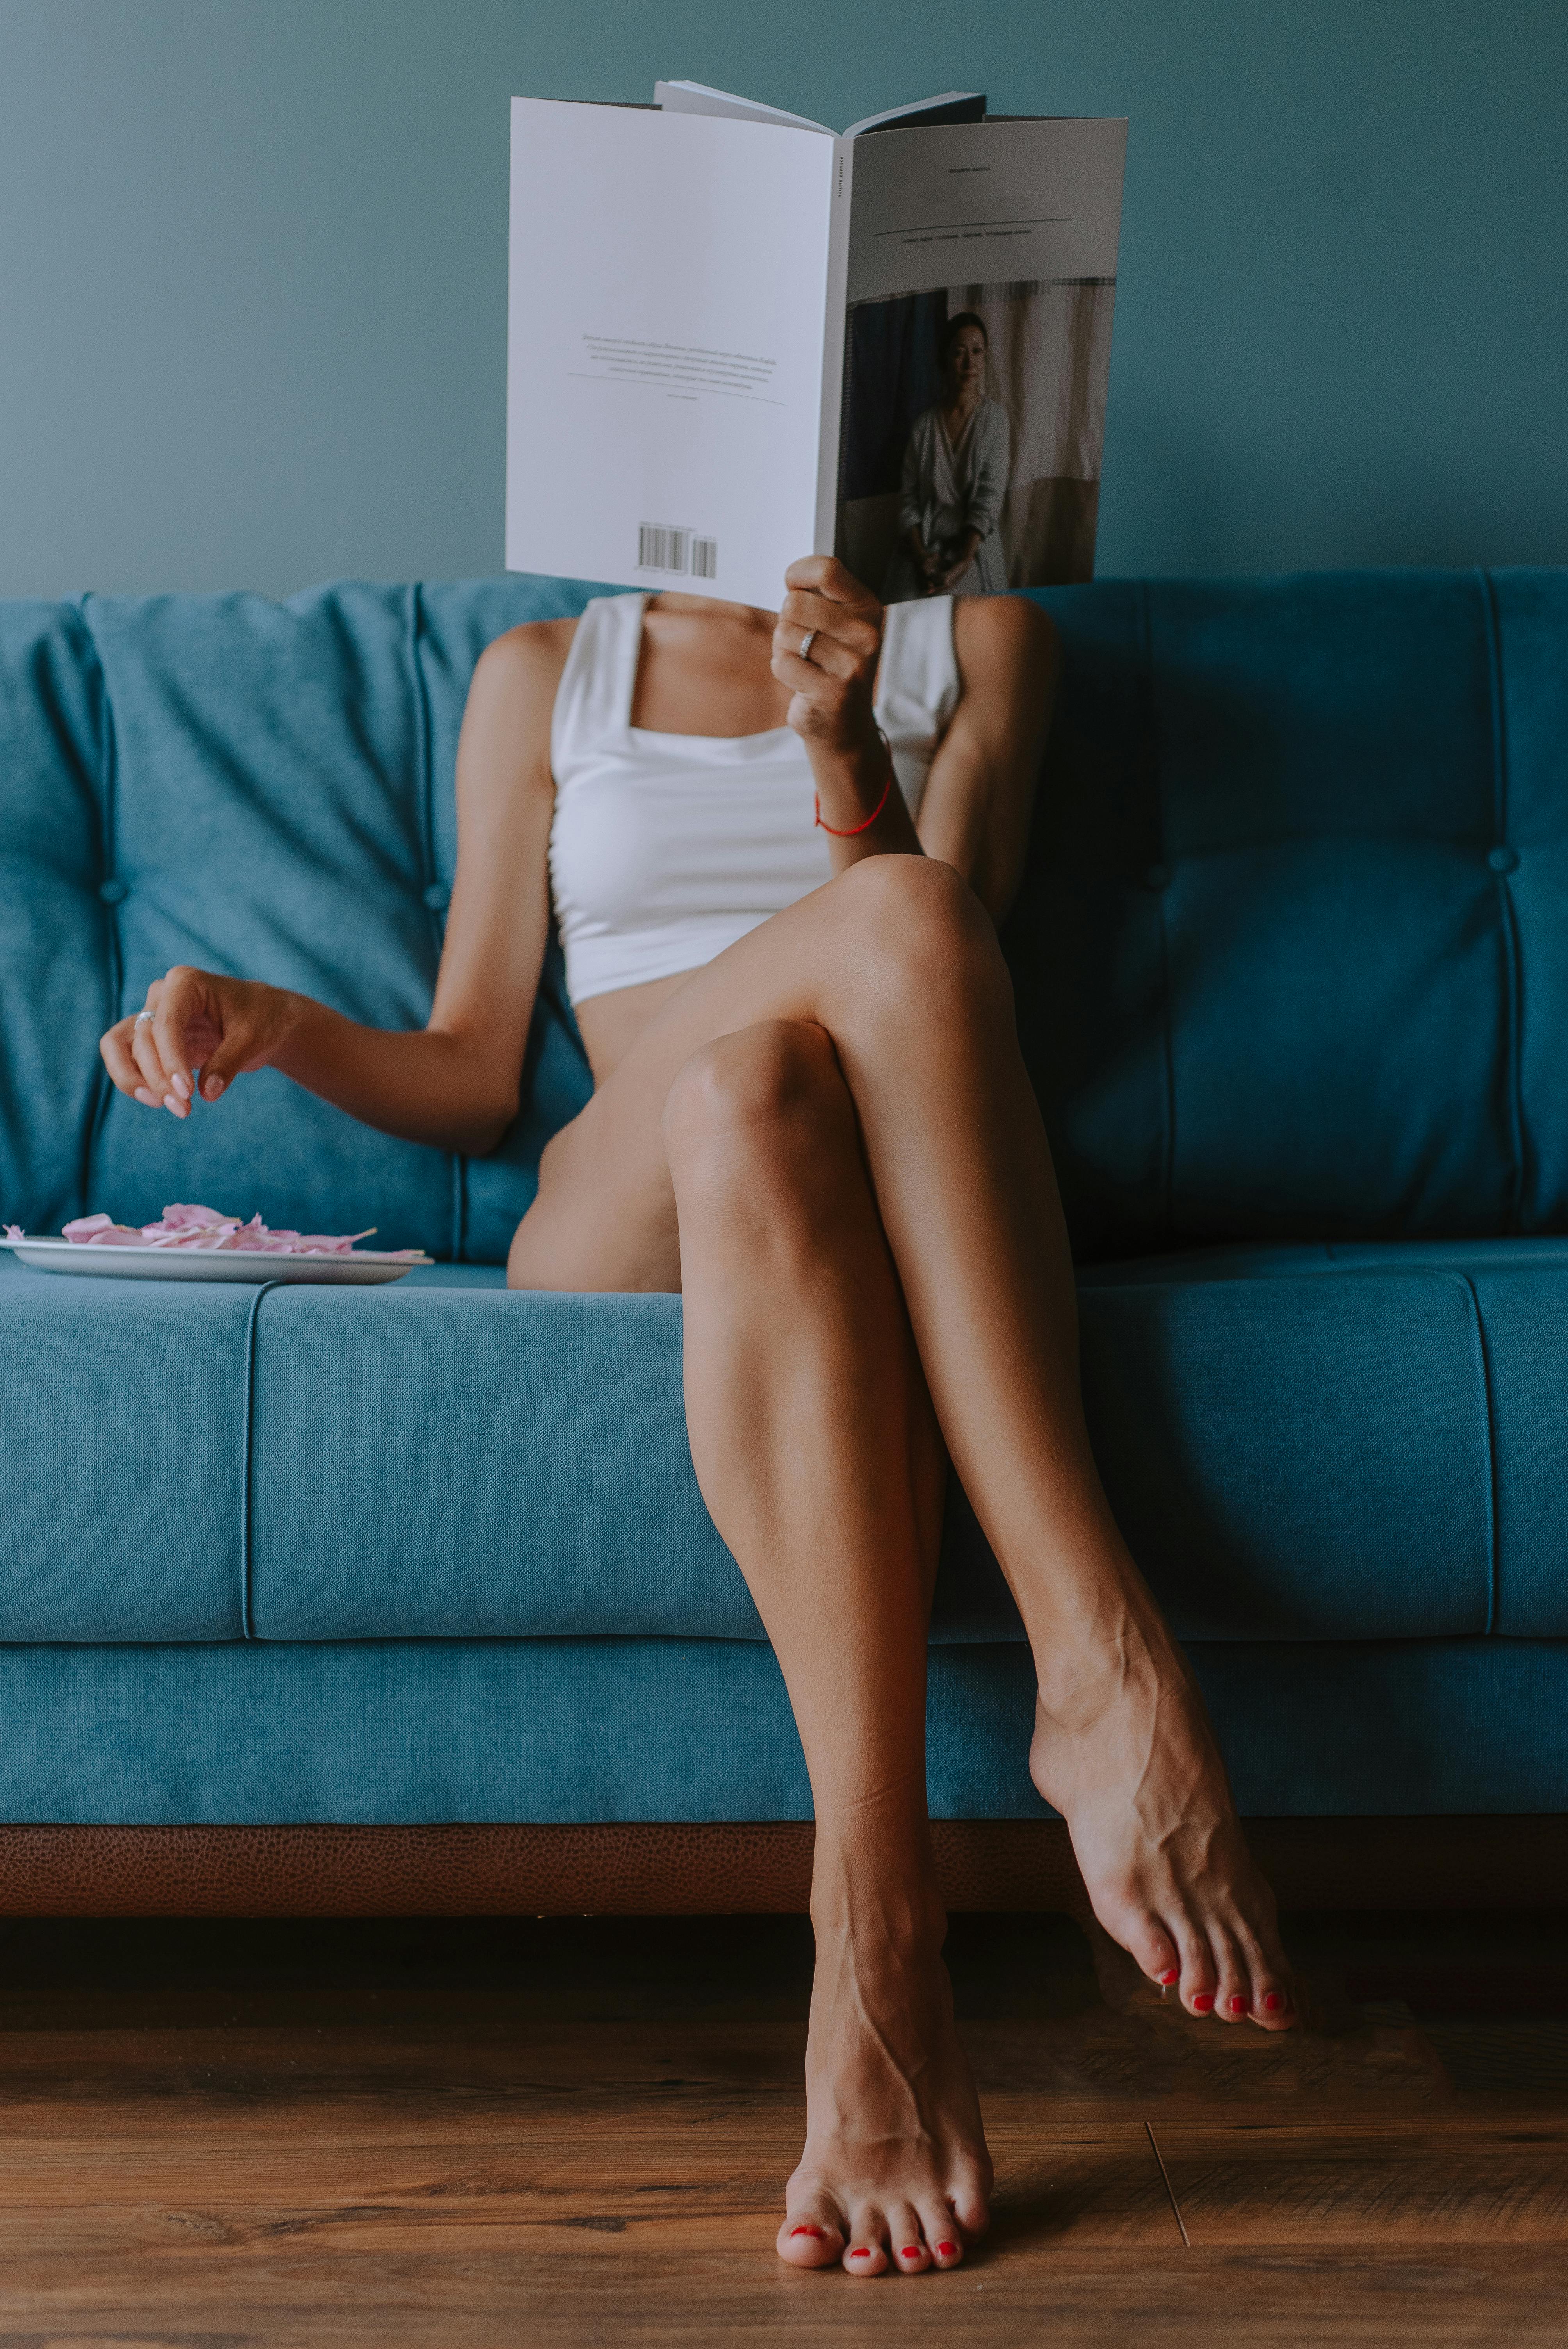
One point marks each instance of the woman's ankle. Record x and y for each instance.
(873, 1869)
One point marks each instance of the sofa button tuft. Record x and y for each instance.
(1157, 877)
(1502, 860)
(438, 896)
(113, 891)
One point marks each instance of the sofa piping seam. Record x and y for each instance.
(424, 788)
(108, 776)
(247, 1626)
(1513, 971)
(1488, 1399)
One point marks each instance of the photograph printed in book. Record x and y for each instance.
(972, 428)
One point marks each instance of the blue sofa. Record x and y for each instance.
(1292, 963)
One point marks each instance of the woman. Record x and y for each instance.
(955, 469)
(812, 1118)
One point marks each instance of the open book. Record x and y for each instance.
(735, 338)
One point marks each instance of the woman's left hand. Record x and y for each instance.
(969, 547)
(831, 705)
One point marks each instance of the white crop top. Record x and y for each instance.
(666, 848)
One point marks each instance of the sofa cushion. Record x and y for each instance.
(1290, 952)
(123, 1414)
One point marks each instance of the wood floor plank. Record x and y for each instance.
(131, 2189)
(1376, 2184)
(1301, 2301)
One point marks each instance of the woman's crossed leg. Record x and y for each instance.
(827, 1138)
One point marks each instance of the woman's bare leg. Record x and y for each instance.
(817, 1455)
(898, 962)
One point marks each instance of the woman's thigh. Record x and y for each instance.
(605, 1216)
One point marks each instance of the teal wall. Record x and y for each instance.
(252, 264)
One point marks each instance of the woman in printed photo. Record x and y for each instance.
(955, 469)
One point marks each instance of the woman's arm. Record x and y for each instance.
(859, 803)
(454, 1083)
(975, 810)
(974, 815)
(968, 546)
(913, 497)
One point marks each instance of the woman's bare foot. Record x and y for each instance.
(896, 2173)
(1134, 1770)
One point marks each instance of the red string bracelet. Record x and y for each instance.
(855, 828)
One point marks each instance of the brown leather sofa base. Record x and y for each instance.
(657, 1869)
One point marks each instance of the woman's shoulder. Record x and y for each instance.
(995, 635)
(533, 648)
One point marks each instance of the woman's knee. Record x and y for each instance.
(915, 936)
(736, 1090)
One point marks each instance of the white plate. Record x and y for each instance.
(365, 1267)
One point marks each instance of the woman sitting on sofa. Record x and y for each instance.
(777, 847)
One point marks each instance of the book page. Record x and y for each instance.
(980, 291)
(665, 346)
(697, 97)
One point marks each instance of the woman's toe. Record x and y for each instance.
(1200, 1975)
(906, 2242)
(1149, 1946)
(1233, 1988)
(866, 2254)
(944, 2239)
(969, 2197)
(1273, 2005)
(811, 2236)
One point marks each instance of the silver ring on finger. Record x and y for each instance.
(806, 641)
(143, 1020)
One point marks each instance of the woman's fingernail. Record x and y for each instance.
(212, 1088)
(1273, 2002)
(182, 1085)
(809, 2230)
(1238, 2006)
(1203, 2000)
(946, 2251)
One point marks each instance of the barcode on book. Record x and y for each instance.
(661, 547)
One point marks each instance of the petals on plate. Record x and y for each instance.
(193, 1227)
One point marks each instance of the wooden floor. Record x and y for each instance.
(472, 2134)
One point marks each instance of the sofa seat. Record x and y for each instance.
(1302, 1443)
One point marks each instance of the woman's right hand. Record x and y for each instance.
(194, 1020)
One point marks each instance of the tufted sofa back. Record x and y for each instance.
(1292, 952)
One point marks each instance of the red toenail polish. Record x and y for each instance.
(1238, 2006)
(1166, 1980)
(1274, 2002)
(910, 2252)
(946, 2251)
(1202, 2000)
(808, 2230)
(860, 2255)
